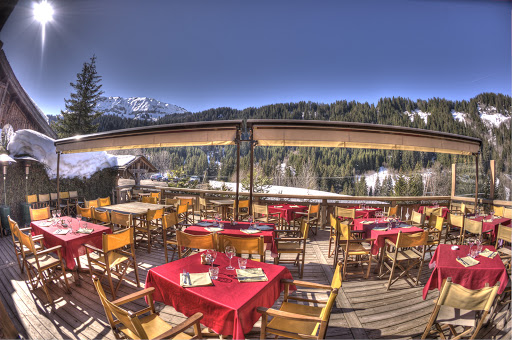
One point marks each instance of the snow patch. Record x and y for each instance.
(494, 120)
(277, 189)
(418, 112)
(371, 177)
(459, 116)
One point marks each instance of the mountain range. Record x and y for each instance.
(137, 108)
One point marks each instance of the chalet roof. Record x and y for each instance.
(125, 162)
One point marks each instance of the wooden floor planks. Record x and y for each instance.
(364, 308)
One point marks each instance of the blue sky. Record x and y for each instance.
(204, 54)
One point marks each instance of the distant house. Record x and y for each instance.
(134, 167)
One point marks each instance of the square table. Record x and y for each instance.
(287, 211)
(365, 213)
(475, 277)
(235, 230)
(380, 236)
(229, 307)
(72, 244)
(444, 211)
(137, 209)
(224, 205)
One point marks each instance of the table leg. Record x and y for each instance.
(78, 270)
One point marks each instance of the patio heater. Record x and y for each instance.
(5, 160)
(25, 207)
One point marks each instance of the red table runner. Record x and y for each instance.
(229, 307)
(287, 211)
(491, 225)
(392, 234)
(444, 211)
(475, 277)
(72, 244)
(234, 230)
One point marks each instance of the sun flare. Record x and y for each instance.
(43, 12)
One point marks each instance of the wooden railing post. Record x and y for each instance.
(323, 215)
(493, 178)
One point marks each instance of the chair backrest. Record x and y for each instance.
(314, 209)
(15, 230)
(207, 241)
(91, 204)
(155, 214)
(152, 200)
(172, 201)
(104, 201)
(102, 216)
(188, 201)
(85, 212)
(243, 204)
(304, 230)
(457, 296)
(417, 217)
(463, 209)
(406, 240)
(73, 194)
(40, 214)
(321, 327)
(155, 194)
(436, 222)
(346, 213)
(472, 226)
(31, 199)
(507, 213)
(121, 219)
(504, 233)
(64, 194)
(499, 211)
(456, 220)
(182, 208)
(44, 197)
(243, 245)
(427, 210)
(259, 210)
(117, 240)
(393, 210)
(437, 212)
(169, 220)
(27, 241)
(333, 222)
(128, 319)
(343, 231)
(337, 278)
(53, 196)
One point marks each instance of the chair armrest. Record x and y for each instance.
(194, 319)
(26, 229)
(288, 239)
(287, 315)
(49, 250)
(391, 243)
(305, 284)
(93, 248)
(134, 296)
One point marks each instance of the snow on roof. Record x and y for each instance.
(122, 160)
(42, 148)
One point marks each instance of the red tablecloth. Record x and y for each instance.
(72, 244)
(234, 230)
(492, 225)
(229, 307)
(287, 211)
(444, 211)
(359, 224)
(392, 234)
(365, 213)
(487, 271)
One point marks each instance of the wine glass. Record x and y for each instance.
(212, 255)
(492, 215)
(58, 213)
(230, 252)
(54, 214)
(79, 218)
(471, 242)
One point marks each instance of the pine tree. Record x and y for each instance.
(415, 183)
(378, 190)
(80, 112)
(400, 186)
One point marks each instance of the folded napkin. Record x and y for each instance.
(489, 254)
(278, 206)
(204, 224)
(61, 232)
(467, 261)
(263, 227)
(45, 224)
(85, 231)
(359, 209)
(368, 222)
(294, 206)
(196, 280)
(251, 275)
(250, 231)
(488, 220)
(213, 229)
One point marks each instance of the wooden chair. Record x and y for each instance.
(351, 247)
(417, 219)
(101, 217)
(182, 211)
(346, 214)
(190, 209)
(157, 195)
(104, 201)
(120, 220)
(133, 325)
(149, 228)
(147, 199)
(507, 213)
(293, 245)
(457, 306)
(474, 228)
(112, 259)
(188, 243)
(404, 251)
(85, 212)
(392, 211)
(298, 320)
(43, 200)
(41, 267)
(244, 245)
(64, 203)
(454, 228)
(261, 214)
(172, 201)
(206, 210)
(169, 228)
(503, 242)
(15, 230)
(40, 214)
(499, 211)
(435, 231)
(53, 200)
(31, 199)
(243, 210)
(312, 216)
(92, 204)
(74, 199)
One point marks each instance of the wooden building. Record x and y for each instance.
(134, 167)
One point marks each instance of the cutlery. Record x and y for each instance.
(463, 262)
(189, 280)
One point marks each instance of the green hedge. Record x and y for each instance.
(100, 184)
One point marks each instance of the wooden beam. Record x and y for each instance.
(476, 181)
(454, 176)
(493, 178)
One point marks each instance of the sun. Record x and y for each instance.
(43, 12)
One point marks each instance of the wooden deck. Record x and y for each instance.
(364, 308)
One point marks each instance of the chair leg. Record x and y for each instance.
(391, 274)
(369, 266)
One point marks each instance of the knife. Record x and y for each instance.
(463, 262)
(189, 280)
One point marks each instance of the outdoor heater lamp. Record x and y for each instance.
(5, 160)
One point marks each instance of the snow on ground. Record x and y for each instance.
(494, 120)
(418, 112)
(137, 107)
(371, 177)
(42, 148)
(459, 116)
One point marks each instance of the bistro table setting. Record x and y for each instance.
(365, 211)
(287, 211)
(472, 266)
(444, 210)
(227, 296)
(491, 223)
(223, 205)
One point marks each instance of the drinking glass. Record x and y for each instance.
(214, 273)
(212, 254)
(58, 213)
(492, 215)
(54, 214)
(471, 242)
(479, 245)
(242, 263)
(230, 252)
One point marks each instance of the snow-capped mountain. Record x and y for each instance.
(137, 107)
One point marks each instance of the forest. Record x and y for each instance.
(343, 170)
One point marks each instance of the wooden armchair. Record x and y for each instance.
(112, 259)
(435, 231)
(188, 243)
(92, 204)
(454, 229)
(206, 210)
(149, 228)
(243, 210)
(312, 217)
(84, 212)
(40, 214)
(104, 201)
(243, 245)
(392, 211)
(133, 325)
(261, 214)
(190, 209)
(293, 246)
(169, 228)
(503, 242)
(475, 229)
(417, 219)
(120, 220)
(15, 230)
(43, 201)
(101, 217)
(300, 320)
(64, 205)
(147, 199)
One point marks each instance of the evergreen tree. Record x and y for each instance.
(415, 183)
(400, 186)
(80, 112)
(378, 189)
